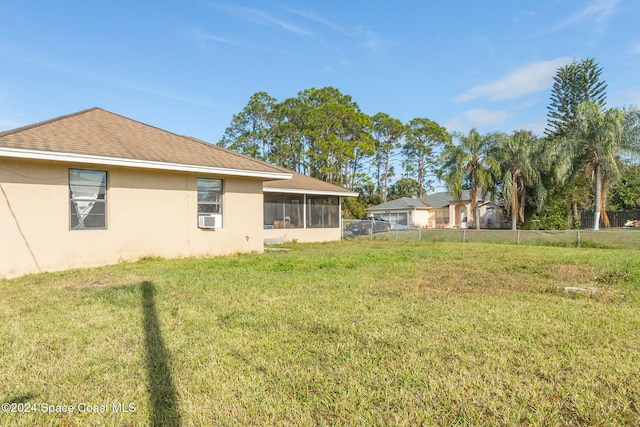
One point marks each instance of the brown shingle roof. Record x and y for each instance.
(305, 183)
(96, 132)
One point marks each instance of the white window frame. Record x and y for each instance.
(90, 198)
(206, 208)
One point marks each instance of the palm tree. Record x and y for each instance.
(598, 138)
(563, 174)
(470, 163)
(516, 153)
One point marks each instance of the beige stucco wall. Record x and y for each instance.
(302, 234)
(149, 213)
(421, 218)
(455, 211)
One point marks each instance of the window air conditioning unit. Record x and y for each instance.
(210, 221)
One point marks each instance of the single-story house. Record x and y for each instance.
(439, 210)
(94, 188)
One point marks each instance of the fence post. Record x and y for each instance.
(420, 234)
(396, 232)
(464, 235)
(518, 238)
(578, 238)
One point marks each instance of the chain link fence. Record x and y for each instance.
(616, 219)
(612, 238)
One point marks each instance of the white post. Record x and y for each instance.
(340, 213)
(304, 211)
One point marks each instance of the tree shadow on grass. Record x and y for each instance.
(162, 392)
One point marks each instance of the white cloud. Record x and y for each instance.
(371, 40)
(529, 79)
(635, 49)
(103, 78)
(598, 11)
(482, 117)
(479, 118)
(537, 127)
(317, 19)
(457, 124)
(202, 38)
(490, 121)
(263, 18)
(524, 15)
(161, 93)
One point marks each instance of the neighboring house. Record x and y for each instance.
(405, 211)
(440, 210)
(94, 188)
(303, 209)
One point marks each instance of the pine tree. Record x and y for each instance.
(574, 84)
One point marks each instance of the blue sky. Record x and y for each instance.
(189, 66)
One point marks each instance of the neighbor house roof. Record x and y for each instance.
(443, 199)
(302, 184)
(402, 203)
(97, 136)
(435, 200)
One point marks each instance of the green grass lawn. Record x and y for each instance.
(347, 333)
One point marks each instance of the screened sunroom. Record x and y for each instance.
(302, 209)
(282, 210)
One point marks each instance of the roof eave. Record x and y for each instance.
(399, 208)
(267, 189)
(135, 163)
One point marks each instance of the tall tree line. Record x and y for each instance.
(323, 133)
(588, 152)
